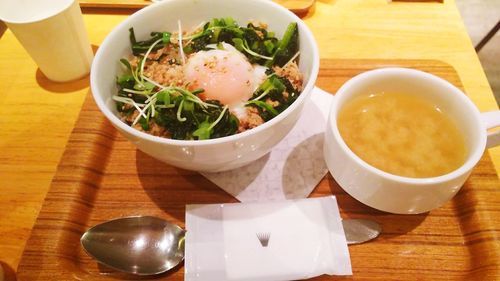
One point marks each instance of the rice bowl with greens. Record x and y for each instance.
(188, 151)
(215, 80)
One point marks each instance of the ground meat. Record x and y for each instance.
(174, 38)
(126, 107)
(260, 24)
(130, 118)
(251, 120)
(165, 74)
(154, 129)
(157, 130)
(167, 53)
(134, 61)
(138, 127)
(291, 72)
(260, 34)
(156, 55)
(273, 103)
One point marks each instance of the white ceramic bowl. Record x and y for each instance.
(206, 155)
(397, 194)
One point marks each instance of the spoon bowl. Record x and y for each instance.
(140, 245)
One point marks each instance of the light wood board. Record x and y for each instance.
(103, 176)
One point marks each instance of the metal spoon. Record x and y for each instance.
(145, 245)
(140, 245)
(359, 231)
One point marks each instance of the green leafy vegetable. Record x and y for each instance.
(164, 97)
(180, 110)
(267, 111)
(144, 123)
(273, 89)
(271, 84)
(139, 47)
(126, 81)
(204, 131)
(288, 46)
(166, 37)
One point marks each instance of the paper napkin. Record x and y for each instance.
(286, 240)
(292, 169)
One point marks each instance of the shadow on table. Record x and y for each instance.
(110, 11)
(63, 87)
(58, 87)
(171, 188)
(393, 225)
(304, 167)
(3, 28)
(111, 273)
(8, 272)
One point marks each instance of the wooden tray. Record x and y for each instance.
(102, 176)
(296, 6)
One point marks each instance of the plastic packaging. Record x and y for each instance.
(287, 240)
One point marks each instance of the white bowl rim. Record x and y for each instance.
(473, 156)
(228, 139)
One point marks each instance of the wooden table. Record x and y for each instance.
(36, 115)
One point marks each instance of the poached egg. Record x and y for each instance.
(225, 74)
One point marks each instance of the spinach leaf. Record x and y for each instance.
(271, 85)
(266, 111)
(126, 81)
(287, 47)
(139, 47)
(144, 123)
(228, 125)
(204, 131)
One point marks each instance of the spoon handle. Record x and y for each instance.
(359, 231)
(356, 231)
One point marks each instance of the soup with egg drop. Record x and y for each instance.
(402, 134)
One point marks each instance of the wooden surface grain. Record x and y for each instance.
(37, 116)
(297, 6)
(103, 176)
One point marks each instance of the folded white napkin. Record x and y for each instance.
(287, 240)
(292, 169)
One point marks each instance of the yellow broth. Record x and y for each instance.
(402, 134)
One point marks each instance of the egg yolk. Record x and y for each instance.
(224, 75)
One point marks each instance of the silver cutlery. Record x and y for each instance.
(145, 245)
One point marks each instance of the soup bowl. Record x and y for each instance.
(398, 194)
(202, 155)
